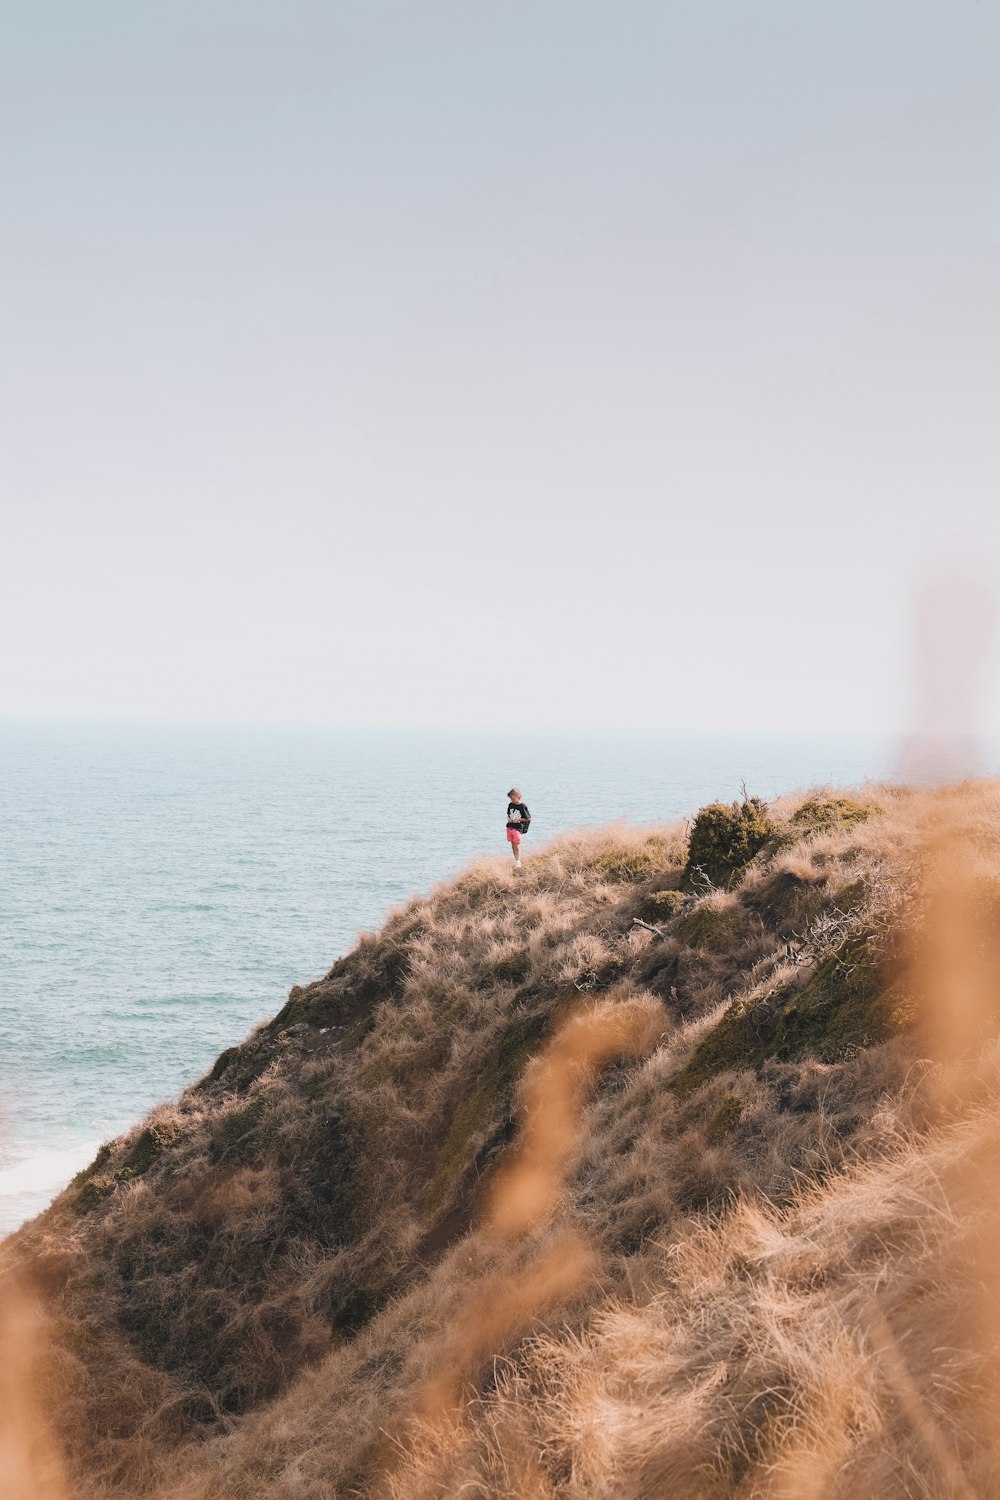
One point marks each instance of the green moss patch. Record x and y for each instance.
(789, 901)
(713, 928)
(450, 1001)
(513, 968)
(358, 1307)
(293, 1010)
(489, 1096)
(725, 1119)
(842, 1008)
(374, 971)
(100, 1160)
(408, 1066)
(94, 1191)
(660, 906)
(239, 1067)
(319, 1005)
(222, 1063)
(234, 1135)
(147, 1148)
(94, 1184)
(355, 1035)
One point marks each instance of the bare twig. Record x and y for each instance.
(648, 926)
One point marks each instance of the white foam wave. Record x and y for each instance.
(46, 1171)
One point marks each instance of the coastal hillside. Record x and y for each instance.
(667, 1166)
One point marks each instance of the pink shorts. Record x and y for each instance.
(514, 836)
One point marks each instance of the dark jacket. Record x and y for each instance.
(518, 816)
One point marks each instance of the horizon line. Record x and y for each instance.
(881, 732)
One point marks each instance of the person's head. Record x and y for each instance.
(514, 794)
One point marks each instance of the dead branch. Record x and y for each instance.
(647, 926)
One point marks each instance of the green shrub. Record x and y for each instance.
(660, 906)
(724, 839)
(829, 812)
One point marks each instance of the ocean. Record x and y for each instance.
(162, 886)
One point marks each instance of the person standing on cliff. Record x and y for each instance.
(518, 821)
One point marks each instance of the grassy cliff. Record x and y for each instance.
(251, 1294)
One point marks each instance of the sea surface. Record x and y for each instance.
(162, 887)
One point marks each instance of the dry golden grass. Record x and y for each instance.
(424, 1235)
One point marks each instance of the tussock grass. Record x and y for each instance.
(249, 1293)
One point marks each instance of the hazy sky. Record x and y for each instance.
(618, 364)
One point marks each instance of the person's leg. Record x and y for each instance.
(515, 844)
